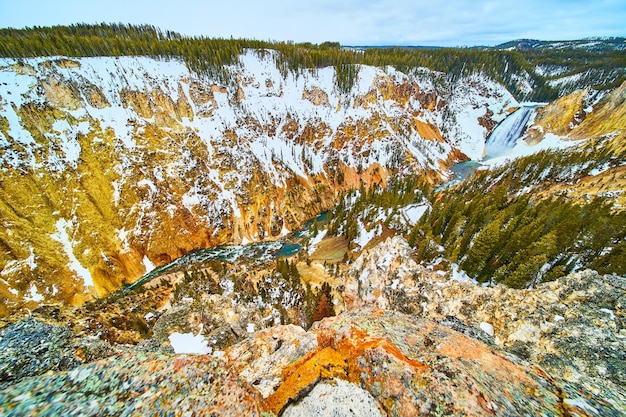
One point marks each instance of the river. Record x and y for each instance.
(503, 138)
(286, 246)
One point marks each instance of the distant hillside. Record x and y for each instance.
(589, 44)
(96, 190)
(111, 166)
(531, 70)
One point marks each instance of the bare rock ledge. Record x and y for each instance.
(392, 363)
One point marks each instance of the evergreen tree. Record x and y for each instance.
(482, 250)
(323, 309)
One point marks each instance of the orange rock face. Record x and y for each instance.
(373, 349)
(415, 367)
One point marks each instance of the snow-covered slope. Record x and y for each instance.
(113, 165)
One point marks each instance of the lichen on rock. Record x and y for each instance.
(393, 363)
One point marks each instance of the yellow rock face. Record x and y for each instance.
(559, 117)
(608, 116)
(568, 116)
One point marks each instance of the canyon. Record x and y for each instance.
(267, 238)
(112, 166)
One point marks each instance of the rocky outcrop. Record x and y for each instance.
(31, 348)
(392, 363)
(608, 116)
(574, 327)
(134, 384)
(582, 114)
(410, 342)
(379, 272)
(317, 96)
(558, 117)
(594, 120)
(334, 397)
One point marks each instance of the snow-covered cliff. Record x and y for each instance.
(113, 165)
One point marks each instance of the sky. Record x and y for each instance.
(350, 22)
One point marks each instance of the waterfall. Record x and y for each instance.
(507, 132)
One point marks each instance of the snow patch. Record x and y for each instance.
(63, 238)
(148, 183)
(148, 264)
(457, 274)
(581, 404)
(365, 236)
(189, 343)
(122, 235)
(611, 313)
(191, 199)
(34, 294)
(600, 170)
(413, 213)
(487, 328)
(284, 231)
(471, 99)
(315, 240)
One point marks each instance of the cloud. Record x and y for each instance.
(449, 23)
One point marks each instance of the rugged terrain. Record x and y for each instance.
(410, 342)
(269, 233)
(111, 166)
(365, 360)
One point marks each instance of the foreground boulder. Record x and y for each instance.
(573, 327)
(392, 363)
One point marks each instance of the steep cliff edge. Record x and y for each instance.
(392, 363)
(579, 117)
(410, 341)
(582, 114)
(111, 166)
(574, 327)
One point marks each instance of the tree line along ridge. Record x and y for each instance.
(210, 56)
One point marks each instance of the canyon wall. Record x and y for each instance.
(112, 166)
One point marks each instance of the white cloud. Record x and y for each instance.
(453, 22)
